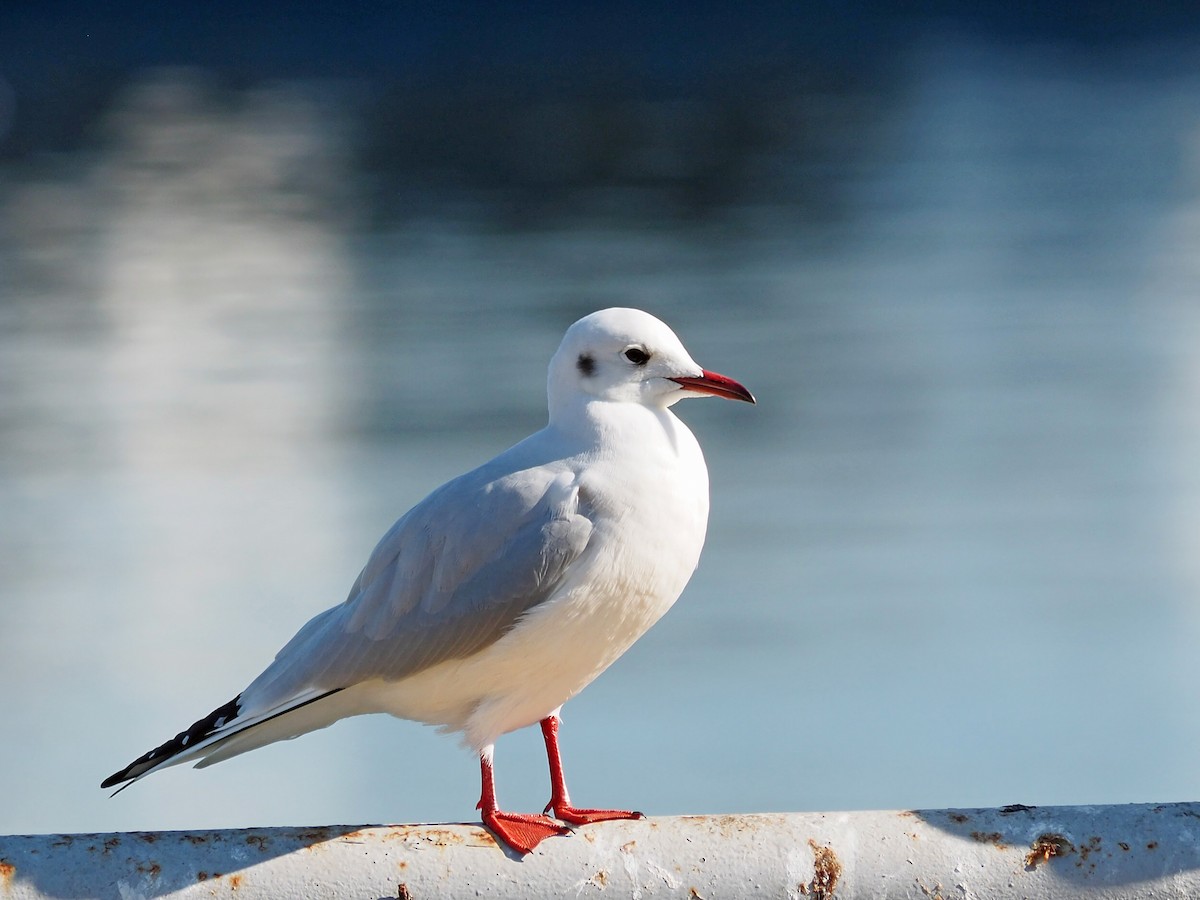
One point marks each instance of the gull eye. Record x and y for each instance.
(637, 356)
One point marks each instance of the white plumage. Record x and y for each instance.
(509, 589)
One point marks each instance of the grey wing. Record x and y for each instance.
(450, 578)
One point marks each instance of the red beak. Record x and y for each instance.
(717, 385)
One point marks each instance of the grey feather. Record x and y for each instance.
(447, 580)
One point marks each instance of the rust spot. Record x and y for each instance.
(1124, 846)
(441, 837)
(1153, 845)
(958, 817)
(628, 846)
(694, 894)
(202, 876)
(827, 869)
(148, 836)
(235, 882)
(258, 840)
(1015, 808)
(1085, 850)
(402, 892)
(153, 870)
(989, 837)
(1046, 846)
(195, 838)
(478, 836)
(111, 843)
(7, 870)
(601, 878)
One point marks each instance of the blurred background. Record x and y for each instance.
(268, 275)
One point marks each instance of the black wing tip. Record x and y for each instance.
(199, 730)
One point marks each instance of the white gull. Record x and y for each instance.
(506, 591)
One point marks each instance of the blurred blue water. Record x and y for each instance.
(953, 551)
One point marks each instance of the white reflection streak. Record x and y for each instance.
(216, 279)
(221, 272)
(1175, 275)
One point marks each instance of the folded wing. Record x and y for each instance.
(447, 580)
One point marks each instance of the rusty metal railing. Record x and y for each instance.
(1019, 851)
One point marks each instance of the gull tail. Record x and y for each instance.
(229, 730)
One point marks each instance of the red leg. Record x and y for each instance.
(560, 800)
(520, 831)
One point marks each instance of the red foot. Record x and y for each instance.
(522, 831)
(560, 801)
(577, 816)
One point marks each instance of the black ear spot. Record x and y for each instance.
(586, 364)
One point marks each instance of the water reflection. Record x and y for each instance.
(958, 533)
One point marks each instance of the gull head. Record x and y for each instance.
(628, 356)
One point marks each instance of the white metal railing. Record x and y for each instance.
(1019, 851)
